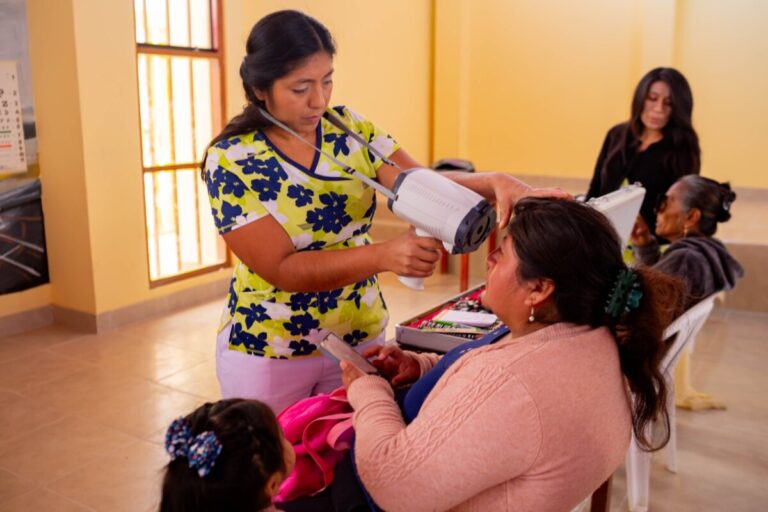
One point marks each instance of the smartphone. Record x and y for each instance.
(335, 348)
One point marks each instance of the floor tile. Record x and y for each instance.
(140, 409)
(127, 479)
(46, 336)
(56, 450)
(199, 380)
(22, 415)
(12, 486)
(43, 500)
(133, 355)
(35, 369)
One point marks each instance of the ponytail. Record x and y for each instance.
(639, 336)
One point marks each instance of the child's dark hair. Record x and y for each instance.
(251, 453)
(713, 200)
(577, 248)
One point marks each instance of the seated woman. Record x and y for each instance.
(687, 216)
(539, 418)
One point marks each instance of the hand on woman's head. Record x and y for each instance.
(508, 191)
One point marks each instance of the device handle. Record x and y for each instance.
(417, 283)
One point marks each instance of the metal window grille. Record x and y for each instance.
(181, 95)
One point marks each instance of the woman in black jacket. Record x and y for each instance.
(656, 147)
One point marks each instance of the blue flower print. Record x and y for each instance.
(362, 231)
(303, 196)
(300, 325)
(266, 188)
(302, 301)
(339, 109)
(232, 302)
(328, 300)
(371, 210)
(371, 156)
(253, 344)
(269, 168)
(232, 184)
(355, 337)
(226, 143)
(228, 213)
(339, 143)
(213, 181)
(302, 347)
(333, 217)
(334, 200)
(254, 313)
(355, 295)
(314, 246)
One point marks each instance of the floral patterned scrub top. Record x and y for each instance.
(321, 209)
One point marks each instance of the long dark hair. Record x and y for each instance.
(278, 44)
(576, 247)
(685, 157)
(252, 451)
(713, 199)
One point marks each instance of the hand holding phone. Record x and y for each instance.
(335, 348)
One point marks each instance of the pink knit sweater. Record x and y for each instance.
(535, 423)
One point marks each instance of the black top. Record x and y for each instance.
(649, 167)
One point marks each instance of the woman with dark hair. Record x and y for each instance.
(687, 216)
(658, 144)
(538, 416)
(299, 223)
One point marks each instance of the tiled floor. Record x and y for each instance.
(83, 415)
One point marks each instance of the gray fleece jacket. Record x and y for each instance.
(702, 262)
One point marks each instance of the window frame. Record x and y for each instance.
(215, 53)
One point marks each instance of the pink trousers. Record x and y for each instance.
(276, 382)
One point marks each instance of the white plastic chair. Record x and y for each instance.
(638, 462)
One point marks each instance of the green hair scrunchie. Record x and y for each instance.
(625, 295)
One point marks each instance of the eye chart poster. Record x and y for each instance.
(12, 157)
(17, 113)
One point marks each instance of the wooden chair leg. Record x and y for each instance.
(443, 261)
(464, 273)
(601, 498)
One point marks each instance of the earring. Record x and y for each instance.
(685, 231)
(531, 318)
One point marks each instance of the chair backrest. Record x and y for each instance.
(686, 326)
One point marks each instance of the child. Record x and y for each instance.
(229, 455)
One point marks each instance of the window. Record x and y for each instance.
(180, 63)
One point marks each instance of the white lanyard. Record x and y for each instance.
(337, 122)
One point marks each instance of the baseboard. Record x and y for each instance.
(26, 321)
(102, 322)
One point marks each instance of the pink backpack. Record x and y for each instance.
(320, 430)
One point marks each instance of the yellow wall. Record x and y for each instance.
(538, 85)
(86, 106)
(531, 87)
(382, 65)
(52, 35)
(722, 47)
(524, 86)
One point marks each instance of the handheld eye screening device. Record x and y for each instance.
(435, 205)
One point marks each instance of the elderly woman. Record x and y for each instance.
(688, 216)
(538, 417)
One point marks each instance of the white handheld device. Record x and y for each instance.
(621, 207)
(435, 205)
